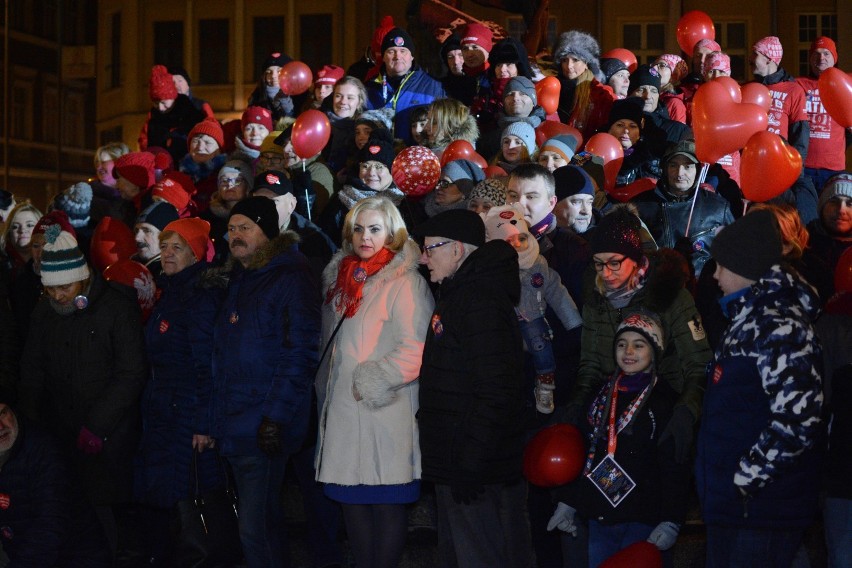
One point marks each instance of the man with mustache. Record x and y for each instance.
(147, 230)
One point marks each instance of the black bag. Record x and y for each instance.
(206, 534)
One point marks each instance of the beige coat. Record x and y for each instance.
(378, 351)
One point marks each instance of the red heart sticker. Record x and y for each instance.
(507, 215)
(164, 326)
(375, 149)
(4, 501)
(273, 179)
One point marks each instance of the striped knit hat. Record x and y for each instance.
(61, 260)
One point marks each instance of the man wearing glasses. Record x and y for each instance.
(472, 394)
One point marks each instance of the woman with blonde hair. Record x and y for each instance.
(375, 316)
(347, 102)
(16, 239)
(448, 120)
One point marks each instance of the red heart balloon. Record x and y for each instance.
(843, 272)
(627, 192)
(722, 126)
(416, 170)
(609, 148)
(769, 166)
(311, 132)
(462, 150)
(494, 171)
(624, 55)
(111, 241)
(692, 28)
(756, 94)
(547, 92)
(732, 87)
(295, 78)
(550, 128)
(640, 554)
(554, 456)
(835, 90)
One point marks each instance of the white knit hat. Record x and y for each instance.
(61, 260)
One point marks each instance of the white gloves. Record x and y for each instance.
(664, 535)
(563, 519)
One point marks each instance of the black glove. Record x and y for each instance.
(269, 437)
(301, 180)
(681, 428)
(466, 492)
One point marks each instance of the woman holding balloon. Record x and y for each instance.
(269, 93)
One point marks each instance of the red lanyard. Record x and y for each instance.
(612, 440)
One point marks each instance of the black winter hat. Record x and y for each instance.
(158, 214)
(457, 224)
(397, 37)
(379, 148)
(275, 181)
(631, 108)
(644, 75)
(510, 50)
(452, 43)
(261, 211)
(175, 70)
(572, 180)
(618, 232)
(750, 245)
(277, 59)
(610, 66)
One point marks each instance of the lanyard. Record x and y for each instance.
(612, 438)
(398, 91)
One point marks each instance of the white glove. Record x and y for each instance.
(664, 535)
(563, 519)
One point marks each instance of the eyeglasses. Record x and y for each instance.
(614, 264)
(226, 183)
(272, 158)
(443, 184)
(428, 249)
(367, 166)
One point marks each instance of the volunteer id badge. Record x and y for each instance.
(611, 480)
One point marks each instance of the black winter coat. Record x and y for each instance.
(471, 379)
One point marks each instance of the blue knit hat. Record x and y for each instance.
(524, 131)
(76, 201)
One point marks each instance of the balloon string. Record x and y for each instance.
(746, 203)
(307, 196)
(704, 168)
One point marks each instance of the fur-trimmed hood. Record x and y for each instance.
(405, 260)
(467, 130)
(262, 258)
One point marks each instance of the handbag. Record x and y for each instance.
(205, 529)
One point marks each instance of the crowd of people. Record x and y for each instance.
(308, 314)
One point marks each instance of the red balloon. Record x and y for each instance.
(640, 554)
(311, 132)
(495, 171)
(416, 170)
(769, 166)
(692, 28)
(550, 128)
(732, 87)
(547, 92)
(756, 94)
(835, 90)
(555, 456)
(609, 148)
(722, 126)
(137, 276)
(462, 150)
(624, 55)
(295, 78)
(627, 192)
(111, 241)
(843, 272)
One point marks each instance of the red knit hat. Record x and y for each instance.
(162, 159)
(194, 231)
(823, 42)
(55, 217)
(770, 46)
(137, 168)
(176, 188)
(477, 34)
(329, 75)
(256, 115)
(112, 241)
(211, 127)
(162, 85)
(384, 27)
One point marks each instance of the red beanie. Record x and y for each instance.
(194, 231)
(477, 34)
(176, 188)
(385, 26)
(209, 126)
(256, 115)
(137, 168)
(162, 85)
(329, 75)
(112, 241)
(823, 42)
(55, 217)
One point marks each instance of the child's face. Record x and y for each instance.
(520, 241)
(633, 353)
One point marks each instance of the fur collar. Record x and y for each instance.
(262, 257)
(405, 260)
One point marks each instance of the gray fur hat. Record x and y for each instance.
(583, 46)
(381, 118)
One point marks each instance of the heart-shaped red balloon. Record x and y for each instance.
(494, 171)
(769, 166)
(640, 554)
(547, 92)
(843, 272)
(732, 87)
(462, 150)
(627, 192)
(550, 128)
(624, 55)
(835, 90)
(722, 126)
(756, 94)
(609, 148)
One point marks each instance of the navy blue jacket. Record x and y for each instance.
(418, 88)
(265, 349)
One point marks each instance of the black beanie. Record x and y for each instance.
(158, 214)
(379, 148)
(610, 66)
(456, 224)
(618, 232)
(452, 43)
(275, 181)
(630, 108)
(397, 37)
(644, 75)
(750, 245)
(261, 211)
(174, 70)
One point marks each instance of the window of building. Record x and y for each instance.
(22, 109)
(811, 26)
(73, 125)
(213, 48)
(733, 37)
(315, 53)
(647, 40)
(268, 38)
(114, 134)
(49, 112)
(21, 15)
(516, 28)
(168, 43)
(113, 66)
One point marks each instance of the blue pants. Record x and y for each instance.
(258, 480)
(536, 334)
(735, 547)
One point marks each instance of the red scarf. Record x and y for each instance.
(351, 275)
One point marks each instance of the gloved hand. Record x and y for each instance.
(89, 443)
(269, 437)
(563, 519)
(466, 492)
(664, 535)
(681, 428)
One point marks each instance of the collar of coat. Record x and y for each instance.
(267, 252)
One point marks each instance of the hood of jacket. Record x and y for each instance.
(467, 130)
(782, 287)
(494, 265)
